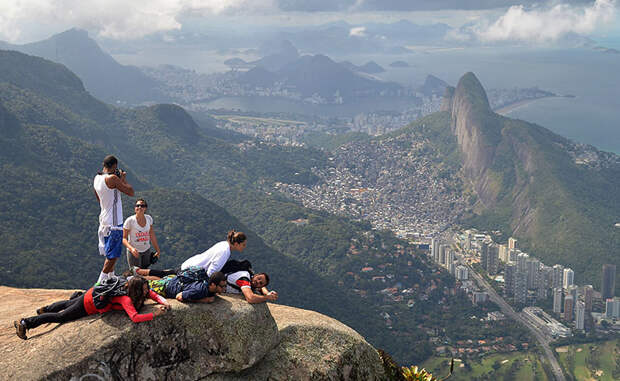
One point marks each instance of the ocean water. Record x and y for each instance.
(593, 77)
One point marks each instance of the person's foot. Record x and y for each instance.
(40, 310)
(20, 329)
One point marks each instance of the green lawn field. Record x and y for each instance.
(593, 361)
(521, 366)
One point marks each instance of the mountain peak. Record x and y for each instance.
(470, 90)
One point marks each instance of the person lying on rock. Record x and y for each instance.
(242, 282)
(111, 294)
(190, 285)
(214, 259)
(211, 260)
(240, 278)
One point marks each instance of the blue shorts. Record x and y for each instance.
(113, 244)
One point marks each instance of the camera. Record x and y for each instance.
(118, 172)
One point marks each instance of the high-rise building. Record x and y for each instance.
(573, 291)
(533, 268)
(558, 276)
(503, 253)
(512, 243)
(520, 289)
(557, 300)
(512, 255)
(462, 273)
(522, 262)
(569, 305)
(608, 282)
(442, 254)
(449, 258)
(452, 268)
(612, 308)
(588, 295)
(492, 259)
(580, 315)
(569, 278)
(546, 276)
(510, 271)
(434, 253)
(484, 253)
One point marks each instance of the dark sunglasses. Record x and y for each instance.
(141, 206)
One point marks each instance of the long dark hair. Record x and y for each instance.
(235, 237)
(135, 291)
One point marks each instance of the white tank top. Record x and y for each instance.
(110, 202)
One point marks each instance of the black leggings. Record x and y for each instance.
(59, 312)
(162, 273)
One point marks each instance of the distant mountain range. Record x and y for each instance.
(319, 74)
(102, 75)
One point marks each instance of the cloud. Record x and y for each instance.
(358, 31)
(541, 24)
(120, 19)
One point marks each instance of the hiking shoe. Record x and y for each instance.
(40, 310)
(20, 329)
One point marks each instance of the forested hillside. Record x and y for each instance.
(54, 136)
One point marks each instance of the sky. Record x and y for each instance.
(473, 20)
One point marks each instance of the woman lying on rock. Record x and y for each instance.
(111, 294)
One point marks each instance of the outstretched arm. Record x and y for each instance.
(208, 299)
(252, 298)
(159, 299)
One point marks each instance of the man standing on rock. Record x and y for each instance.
(108, 184)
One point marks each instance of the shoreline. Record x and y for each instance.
(507, 109)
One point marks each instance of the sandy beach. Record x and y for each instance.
(507, 109)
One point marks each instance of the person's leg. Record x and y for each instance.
(161, 273)
(73, 311)
(56, 306)
(113, 250)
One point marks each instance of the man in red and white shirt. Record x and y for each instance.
(241, 282)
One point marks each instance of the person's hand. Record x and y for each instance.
(167, 306)
(272, 297)
(123, 175)
(156, 254)
(273, 293)
(134, 252)
(159, 311)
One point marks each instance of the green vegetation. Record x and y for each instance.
(592, 361)
(53, 141)
(530, 186)
(516, 366)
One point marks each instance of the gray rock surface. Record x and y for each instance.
(226, 340)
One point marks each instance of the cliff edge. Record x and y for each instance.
(226, 340)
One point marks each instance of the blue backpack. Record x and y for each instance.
(192, 274)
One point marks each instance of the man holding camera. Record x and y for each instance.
(109, 184)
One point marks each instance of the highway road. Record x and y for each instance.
(510, 312)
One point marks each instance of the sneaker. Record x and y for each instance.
(40, 310)
(20, 329)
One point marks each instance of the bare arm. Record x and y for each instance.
(120, 183)
(126, 243)
(96, 195)
(252, 298)
(154, 241)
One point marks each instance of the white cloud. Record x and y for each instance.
(120, 19)
(545, 24)
(358, 31)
